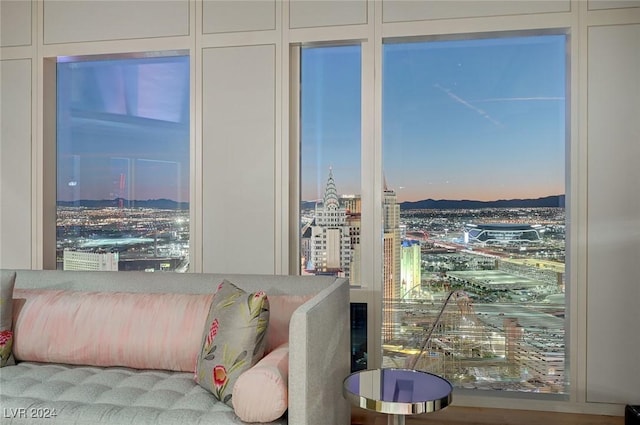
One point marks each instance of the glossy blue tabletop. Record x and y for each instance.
(398, 391)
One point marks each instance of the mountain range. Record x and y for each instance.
(425, 204)
(442, 204)
(465, 204)
(163, 204)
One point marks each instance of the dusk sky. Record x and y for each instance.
(480, 119)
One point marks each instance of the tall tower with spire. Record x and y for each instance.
(331, 251)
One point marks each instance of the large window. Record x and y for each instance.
(123, 163)
(330, 207)
(474, 139)
(330, 161)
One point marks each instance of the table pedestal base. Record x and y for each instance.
(395, 420)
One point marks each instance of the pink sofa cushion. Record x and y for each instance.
(137, 330)
(261, 393)
(281, 309)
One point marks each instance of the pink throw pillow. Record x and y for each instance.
(261, 393)
(137, 330)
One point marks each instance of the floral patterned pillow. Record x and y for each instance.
(7, 280)
(233, 340)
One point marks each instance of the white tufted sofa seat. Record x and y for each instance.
(64, 394)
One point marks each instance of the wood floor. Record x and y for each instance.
(454, 415)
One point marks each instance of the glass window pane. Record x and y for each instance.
(330, 161)
(474, 157)
(358, 336)
(123, 164)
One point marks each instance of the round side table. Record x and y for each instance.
(397, 392)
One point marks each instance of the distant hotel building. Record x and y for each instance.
(391, 293)
(329, 242)
(353, 206)
(92, 261)
(410, 270)
(502, 233)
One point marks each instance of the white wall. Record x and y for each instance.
(15, 163)
(224, 16)
(15, 23)
(82, 21)
(240, 139)
(613, 277)
(327, 13)
(409, 10)
(238, 152)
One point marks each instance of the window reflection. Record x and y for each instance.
(123, 163)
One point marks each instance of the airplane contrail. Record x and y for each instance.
(517, 99)
(467, 104)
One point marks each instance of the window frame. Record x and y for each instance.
(372, 192)
(570, 354)
(47, 214)
(365, 293)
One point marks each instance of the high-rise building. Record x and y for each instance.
(93, 261)
(391, 264)
(331, 251)
(305, 249)
(353, 206)
(410, 274)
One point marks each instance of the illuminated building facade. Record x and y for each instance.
(353, 206)
(330, 241)
(410, 274)
(93, 261)
(502, 233)
(391, 264)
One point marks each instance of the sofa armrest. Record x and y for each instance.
(319, 340)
